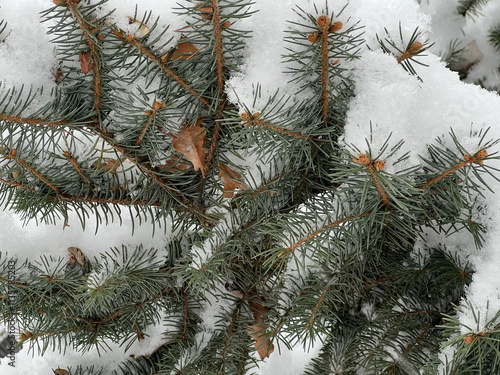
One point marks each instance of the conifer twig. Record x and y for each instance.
(336, 223)
(130, 39)
(74, 163)
(94, 54)
(250, 120)
(11, 155)
(477, 158)
(316, 308)
(32, 121)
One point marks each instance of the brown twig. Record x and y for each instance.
(337, 223)
(75, 165)
(316, 308)
(94, 53)
(477, 158)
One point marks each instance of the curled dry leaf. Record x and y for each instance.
(183, 51)
(258, 330)
(232, 180)
(141, 29)
(189, 141)
(76, 255)
(86, 62)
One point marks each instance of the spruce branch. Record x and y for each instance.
(144, 50)
(470, 7)
(93, 44)
(288, 250)
(477, 158)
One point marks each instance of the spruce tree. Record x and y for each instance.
(316, 245)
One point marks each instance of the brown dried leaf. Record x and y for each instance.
(232, 180)
(60, 371)
(141, 29)
(258, 330)
(76, 255)
(86, 62)
(206, 12)
(262, 339)
(189, 141)
(183, 51)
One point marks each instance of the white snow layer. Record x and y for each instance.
(388, 99)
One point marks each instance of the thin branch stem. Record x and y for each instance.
(75, 165)
(130, 39)
(337, 223)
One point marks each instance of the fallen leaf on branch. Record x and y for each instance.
(183, 51)
(206, 12)
(86, 62)
(60, 371)
(262, 339)
(141, 29)
(258, 330)
(232, 180)
(76, 255)
(189, 141)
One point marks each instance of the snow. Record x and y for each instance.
(26, 54)
(388, 100)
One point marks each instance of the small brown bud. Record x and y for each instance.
(379, 165)
(313, 37)
(323, 22)
(245, 117)
(480, 155)
(469, 339)
(363, 159)
(335, 27)
(467, 157)
(226, 24)
(157, 105)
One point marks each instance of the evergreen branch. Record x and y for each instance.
(219, 115)
(16, 184)
(31, 121)
(337, 223)
(470, 7)
(218, 50)
(410, 52)
(130, 39)
(185, 315)
(219, 64)
(74, 163)
(374, 166)
(250, 120)
(143, 165)
(230, 331)
(11, 155)
(415, 341)
(95, 57)
(316, 308)
(324, 24)
(380, 189)
(477, 158)
(151, 118)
